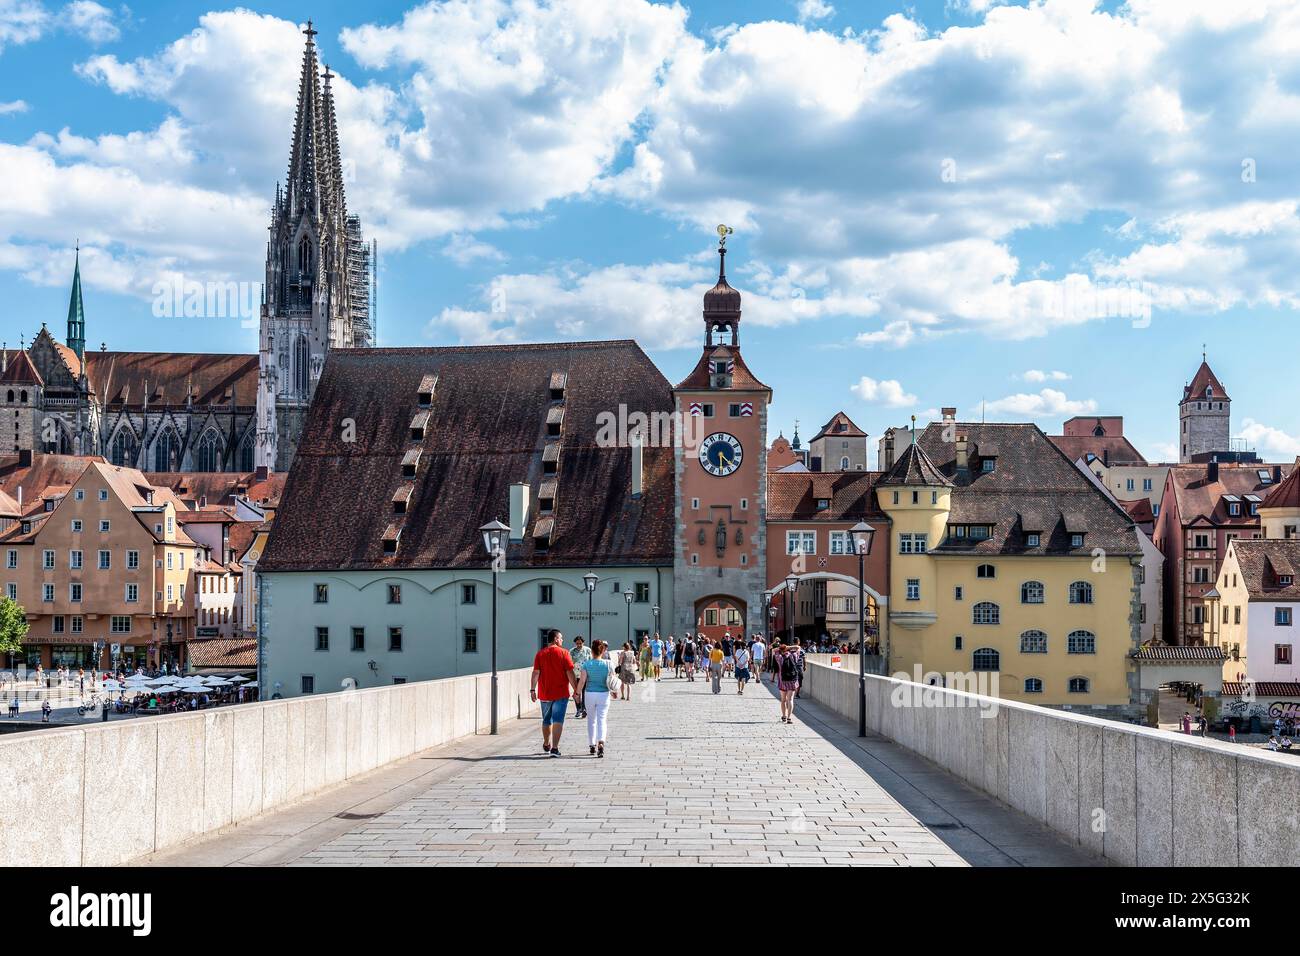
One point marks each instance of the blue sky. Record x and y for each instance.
(949, 203)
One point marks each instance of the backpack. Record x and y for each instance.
(789, 668)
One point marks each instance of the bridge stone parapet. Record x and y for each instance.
(1134, 795)
(104, 793)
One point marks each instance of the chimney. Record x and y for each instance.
(1212, 471)
(20, 499)
(963, 453)
(638, 461)
(518, 510)
(949, 413)
(262, 473)
(25, 458)
(1277, 474)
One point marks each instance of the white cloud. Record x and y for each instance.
(810, 10)
(1273, 444)
(21, 21)
(1038, 376)
(1048, 403)
(13, 106)
(888, 393)
(91, 20)
(462, 249)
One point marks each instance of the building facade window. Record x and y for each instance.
(468, 594)
(322, 594)
(309, 683)
(358, 638)
(470, 640)
(1033, 685)
(986, 659)
(986, 571)
(1080, 592)
(801, 542)
(394, 638)
(394, 594)
(1033, 642)
(1032, 592)
(1281, 616)
(986, 612)
(545, 594)
(914, 589)
(1078, 685)
(1081, 642)
(322, 638)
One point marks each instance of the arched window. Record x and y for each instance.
(1098, 431)
(1080, 592)
(207, 455)
(986, 612)
(122, 452)
(10, 396)
(166, 451)
(1078, 685)
(1033, 642)
(1033, 685)
(986, 571)
(1032, 592)
(246, 453)
(844, 463)
(304, 256)
(986, 659)
(301, 366)
(24, 396)
(1081, 642)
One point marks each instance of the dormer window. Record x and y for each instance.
(559, 382)
(554, 422)
(392, 534)
(1209, 391)
(546, 497)
(410, 462)
(1285, 580)
(1032, 539)
(551, 459)
(424, 395)
(1076, 540)
(987, 465)
(402, 500)
(823, 504)
(418, 425)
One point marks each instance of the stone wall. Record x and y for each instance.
(100, 794)
(1131, 794)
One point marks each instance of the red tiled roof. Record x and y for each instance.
(742, 379)
(780, 454)
(1261, 561)
(839, 418)
(915, 467)
(19, 370)
(1179, 652)
(793, 496)
(1197, 496)
(1111, 449)
(1204, 378)
(229, 652)
(44, 471)
(221, 487)
(1286, 493)
(1140, 510)
(8, 506)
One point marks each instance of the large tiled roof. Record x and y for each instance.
(44, 472)
(1204, 377)
(222, 487)
(1286, 493)
(19, 370)
(1262, 561)
(487, 430)
(235, 653)
(1111, 449)
(8, 506)
(793, 496)
(1197, 495)
(170, 377)
(915, 467)
(1266, 688)
(1033, 487)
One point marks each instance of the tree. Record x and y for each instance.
(13, 626)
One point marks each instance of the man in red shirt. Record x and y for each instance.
(553, 676)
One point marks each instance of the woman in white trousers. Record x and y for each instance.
(593, 685)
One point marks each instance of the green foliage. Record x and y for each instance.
(13, 626)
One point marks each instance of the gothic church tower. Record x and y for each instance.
(308, 305)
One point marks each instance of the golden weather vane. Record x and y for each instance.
(723, 233)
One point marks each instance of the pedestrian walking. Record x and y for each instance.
(1232, 733)
(758, 657)
(553, 676)
(595, 678)
(656, 655)
(742, 668)
(688, 657)
(626, 671)
(45, 711)
(679, 660)
(715, 667)
(581, 653)
(788, 679)
(728, 653)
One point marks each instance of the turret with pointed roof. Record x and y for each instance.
(1204, 415)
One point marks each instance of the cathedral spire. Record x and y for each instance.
(722, 302)
(76, 339)
(309, 150)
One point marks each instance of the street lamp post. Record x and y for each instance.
(655, 611)
(771, 619)
(171, 652)
(627, 596)
(494, 533)
(862, 534)
(589, 580)
(791, 582)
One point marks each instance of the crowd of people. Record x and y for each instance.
(592, 677)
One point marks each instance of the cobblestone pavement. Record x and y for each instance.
(690, 778)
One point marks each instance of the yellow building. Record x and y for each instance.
(1007, 564)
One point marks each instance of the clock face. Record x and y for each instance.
(720, 454)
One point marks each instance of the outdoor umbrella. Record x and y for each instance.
(239, 679)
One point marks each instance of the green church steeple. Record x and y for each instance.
(77, 313)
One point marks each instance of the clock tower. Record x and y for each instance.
(721, 478)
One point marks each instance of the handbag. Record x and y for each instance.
(612, 683)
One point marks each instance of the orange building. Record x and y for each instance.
(720, 465)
